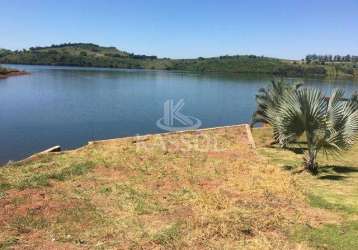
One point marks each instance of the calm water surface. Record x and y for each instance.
(70, 106)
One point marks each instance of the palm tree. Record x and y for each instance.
(328, 125)
(270, 98)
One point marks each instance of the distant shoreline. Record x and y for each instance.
(12, 72)
(314, 76)
(92, 55)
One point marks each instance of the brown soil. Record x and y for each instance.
(13, 73)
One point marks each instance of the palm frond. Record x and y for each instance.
(329, 126)
(269, 98)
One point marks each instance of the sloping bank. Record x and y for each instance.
(197, 189)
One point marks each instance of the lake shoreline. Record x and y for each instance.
(134, 139)
(93, 55)
(70, 106)
(258, 74)
(13, 73)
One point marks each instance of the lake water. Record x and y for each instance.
(70, 106)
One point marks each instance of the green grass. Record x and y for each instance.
(140, 202)
(8, 243)
(24, 224)
(334, 189)
(4, 186)
(43, 179)
(168, 236)
(330, 236)
(320, 202)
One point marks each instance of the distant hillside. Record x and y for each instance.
(248, 64)
(75, 54)
(4, 52)
(81, 49)
(92, 55)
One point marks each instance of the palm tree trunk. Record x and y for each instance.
(310, 161)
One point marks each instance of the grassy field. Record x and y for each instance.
(196, 190)
(334, 189)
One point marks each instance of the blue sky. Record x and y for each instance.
(186, 28)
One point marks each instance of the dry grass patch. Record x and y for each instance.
(203, 189)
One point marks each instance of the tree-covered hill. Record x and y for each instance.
(75, 54)
(92, 55)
